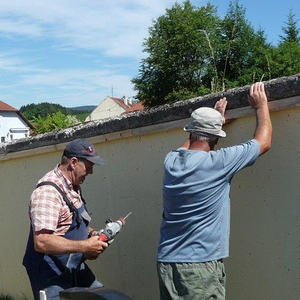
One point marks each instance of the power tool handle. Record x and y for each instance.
(103, 237)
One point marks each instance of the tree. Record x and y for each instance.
(284, 59)
(53, 121)
(242, 54)
(43, 109)
(192, 52)
(178, 54)
(291, 31)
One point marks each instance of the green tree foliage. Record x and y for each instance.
(49, 116)
(42, 110)
(81, 116)
(176, 58)
(241, 55)
(54, 121)
(191, 52)
(291, 31)
(285, 59)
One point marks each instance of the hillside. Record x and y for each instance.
(32, 111)
(84, 108)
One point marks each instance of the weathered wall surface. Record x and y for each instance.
(264, 262)
(265, 225)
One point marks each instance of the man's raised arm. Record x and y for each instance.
(263, 131)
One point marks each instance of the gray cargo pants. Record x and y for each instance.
(192, 281)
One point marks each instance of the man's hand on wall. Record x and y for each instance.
(220, 106)
(257, 95)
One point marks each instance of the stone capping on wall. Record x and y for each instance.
(176, 113)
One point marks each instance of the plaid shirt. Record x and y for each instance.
(47, 209)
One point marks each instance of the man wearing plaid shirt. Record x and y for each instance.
(60, 238)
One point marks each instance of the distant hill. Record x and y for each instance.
(84, 108)
(32, 111)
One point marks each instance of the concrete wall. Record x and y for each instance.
(265, 243)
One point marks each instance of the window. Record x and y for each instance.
(11, 137)
(2, 139)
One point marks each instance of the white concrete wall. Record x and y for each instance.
(11, 120)
(265, 227)
(107, 109)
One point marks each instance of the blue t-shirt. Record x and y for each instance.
(196, 208)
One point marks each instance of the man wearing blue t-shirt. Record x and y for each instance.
(196, 210)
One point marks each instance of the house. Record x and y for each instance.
(13, 125)
(112, 106)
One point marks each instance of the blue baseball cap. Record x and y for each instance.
(82, 148)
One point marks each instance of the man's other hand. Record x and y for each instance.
(263, 131)
(94, 247)
(220, 106)
(257, 95)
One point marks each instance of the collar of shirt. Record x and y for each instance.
(59, 174)
(68, 184)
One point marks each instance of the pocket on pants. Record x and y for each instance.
(222, 276)
(197, 281)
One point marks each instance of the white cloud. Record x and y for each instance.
(46, 82)
(67, 87)
(19, 28)
(13, 62)
(117, 28)
(38, 34)
(80, 82)
(62, 78)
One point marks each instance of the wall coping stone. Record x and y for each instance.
(276, 89)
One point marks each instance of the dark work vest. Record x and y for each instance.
(40, 267)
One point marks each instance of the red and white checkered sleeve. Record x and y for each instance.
(44, 208)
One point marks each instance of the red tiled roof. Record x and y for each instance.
(5, 107)
(128, 108)
(120, 102)
(135, 107)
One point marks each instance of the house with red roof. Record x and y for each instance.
(112, 107)
(13, 124)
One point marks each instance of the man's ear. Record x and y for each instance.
(73, 162)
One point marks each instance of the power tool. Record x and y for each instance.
(112, 229)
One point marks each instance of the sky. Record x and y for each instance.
(77, 52)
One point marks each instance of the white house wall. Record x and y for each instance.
(12, 126)
(107, 109)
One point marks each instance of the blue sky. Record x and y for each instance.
(77, 52)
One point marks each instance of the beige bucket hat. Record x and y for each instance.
(206, 121)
